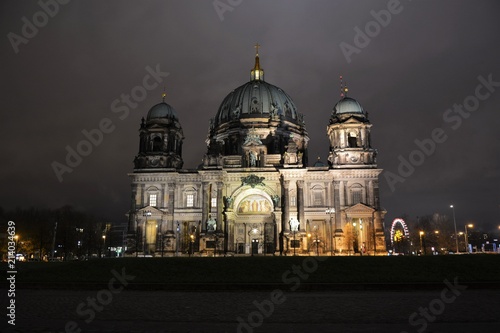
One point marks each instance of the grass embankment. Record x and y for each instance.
(259, 272)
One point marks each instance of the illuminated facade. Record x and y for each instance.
(254, 193)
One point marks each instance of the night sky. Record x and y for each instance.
(411, 73)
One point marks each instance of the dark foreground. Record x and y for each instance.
(462, 310)
(174, 274)
(262, 294)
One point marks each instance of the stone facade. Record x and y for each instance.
(254, 193)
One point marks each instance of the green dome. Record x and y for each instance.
(162, 110)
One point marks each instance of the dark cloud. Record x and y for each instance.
(427, 59)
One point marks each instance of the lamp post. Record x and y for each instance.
(145, 214)
(355, 237)
(294, 226)
(455, 224)
(330, 211)
(177, 240)
(192, 244)
(136, 236)
(467, 237)
(316, 239)
(16, 237)
(161, 239)
(104, 245)
(436, 232)
(79, 240)
(374, 235)
(309, 243)
(421, 233)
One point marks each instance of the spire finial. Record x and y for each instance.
(163, 94)
(257, 73)
(343, 88)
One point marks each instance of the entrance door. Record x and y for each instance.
(255, 246)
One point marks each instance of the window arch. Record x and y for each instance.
(157, 143)
(318, 196)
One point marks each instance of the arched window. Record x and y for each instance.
(356, 194)
(318, 196)
(157, 144)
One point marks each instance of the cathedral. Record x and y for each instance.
(254, 193)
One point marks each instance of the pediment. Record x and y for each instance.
(154, 211)
(352, 120)
(253, 144)
(359, 210)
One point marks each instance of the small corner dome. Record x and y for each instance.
(161, 111)
(348, 105)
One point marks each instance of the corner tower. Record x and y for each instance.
(161, 137)
(150, 218)
(349, 136)
(352, 162)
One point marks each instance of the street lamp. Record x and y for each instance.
(455, 224)
(421, 247)
(177, 240)
(436, 232)
(161, 238)
(330, 211)
(145, 214)
(294, 243)
(104, 244)
(467, 237)
(192, 244)
(16, 237)
(309, 242)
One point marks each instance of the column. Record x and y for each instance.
(205, 188)
(300, 203)
(376, 201)
(337, 227)
(286, 205)
(345, 194)
(220, 207)
(366, 195)
(245, 239)
(329, 201)
(133, 208)
(285, 214)
(162, 199)
(171, 201)
(370, 193)
(141, 193)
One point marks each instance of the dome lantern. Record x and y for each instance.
(257, 74)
